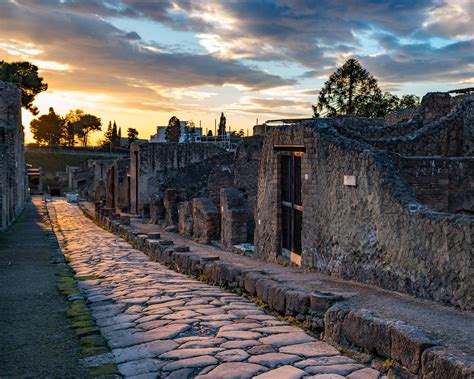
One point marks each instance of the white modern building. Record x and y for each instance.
(187, 134)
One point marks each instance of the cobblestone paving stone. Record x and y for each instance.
(162, 323)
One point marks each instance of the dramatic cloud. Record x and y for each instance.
(262, 57)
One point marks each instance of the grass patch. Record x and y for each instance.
(51, 161)
(109, 369)
(77, 308)
(388, 364)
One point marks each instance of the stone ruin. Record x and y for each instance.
(386, 202)
(13, 172)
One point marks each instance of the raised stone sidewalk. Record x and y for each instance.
(161, 323)
(416, 338)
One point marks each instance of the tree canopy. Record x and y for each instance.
(389, 103)
(349, 90)
(352, 90)
(81, 124)
(239, 133)
(132, 135)
(25, 76)
(109, 137)
(173, 130)
(48, 128)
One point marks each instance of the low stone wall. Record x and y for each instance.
(444, 184)
(374, 232)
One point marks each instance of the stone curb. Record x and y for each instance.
(416, 354)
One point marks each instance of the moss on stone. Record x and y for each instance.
(109, 369)
(77, 308)
(88, 331)
(83, 322)
(95, 340)
(88, 351)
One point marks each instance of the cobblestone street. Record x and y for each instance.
(161, 323)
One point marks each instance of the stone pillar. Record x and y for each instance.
(234, 217)
(170, 202)
(185, 216)
(157, 209)
(206, 220)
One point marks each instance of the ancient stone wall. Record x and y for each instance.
(441, 125)
(246, 165)
(374, 232)
(206, 220)
(118, 185)
(186, 166)
(13, 174)
(90, 180)
(400, 116)
(444, 137)
(221, 176)
(185, 218)
(444, 184)
(234, 217)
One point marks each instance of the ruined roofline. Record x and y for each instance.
(462, 90)
(442, 123)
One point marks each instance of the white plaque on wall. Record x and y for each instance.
(350, 180)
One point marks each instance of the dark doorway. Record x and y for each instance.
(291, 203)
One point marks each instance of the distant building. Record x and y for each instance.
(187, 134)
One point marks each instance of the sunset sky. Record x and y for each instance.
(140, 62)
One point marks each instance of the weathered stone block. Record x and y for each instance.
(185, 218)
(363, 329)
(234, 217)
(250, 282)
(170, 202)
(277, 297)
(124, 220)
(297, 302)
(154, 235)
(407, 345)
(206, 221)
(321, 302)
(261, 287)
(441, 362)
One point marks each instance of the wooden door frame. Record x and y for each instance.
(292, 151)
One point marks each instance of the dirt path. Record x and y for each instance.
(35, 339)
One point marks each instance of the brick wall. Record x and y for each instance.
(444, 184)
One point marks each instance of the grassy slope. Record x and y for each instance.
(54, 162)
